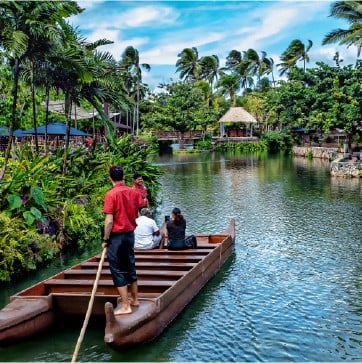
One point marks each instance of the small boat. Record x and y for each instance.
(167, 282)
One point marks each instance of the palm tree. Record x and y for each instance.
(351, 11)
(254, 62)
(233, 59)
(131, 62)
(239, 67)
(268, 68)
(296, 51)
(14, 41)
(43, 38)
(81, 73)
(229, 85)
(19, 25)
(188, 64)
(209, 68)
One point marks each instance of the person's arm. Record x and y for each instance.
(155, 229)
(108, 224)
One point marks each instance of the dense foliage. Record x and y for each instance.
(43, 212)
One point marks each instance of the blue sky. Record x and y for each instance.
(160, 30)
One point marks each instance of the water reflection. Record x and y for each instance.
(285, 298)
(292, 290)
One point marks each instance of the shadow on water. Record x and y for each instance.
(180, 335)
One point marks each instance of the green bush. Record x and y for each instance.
(242, 147)
(22, 249)
(50, 211)
(278, 141)
(205, 143)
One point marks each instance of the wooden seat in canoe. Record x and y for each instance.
(169, 257)
(106, 274)
(192, 251)
(148, 265)
(104, 286)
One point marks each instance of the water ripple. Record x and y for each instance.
(291, 292)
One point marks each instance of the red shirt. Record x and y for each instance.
(123, 202)
(142, 190)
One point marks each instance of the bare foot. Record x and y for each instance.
(122, 311)
(135, 303)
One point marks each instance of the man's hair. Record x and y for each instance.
(145, 212)
(136, 176)
(116, 173)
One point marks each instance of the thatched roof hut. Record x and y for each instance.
(236, 114)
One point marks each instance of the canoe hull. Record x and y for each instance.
(167, 282)
(130, 330)
(24, 318)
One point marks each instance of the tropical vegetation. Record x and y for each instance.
(51, 200)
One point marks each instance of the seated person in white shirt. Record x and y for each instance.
(147, 234)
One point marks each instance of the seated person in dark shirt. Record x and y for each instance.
(176, 227)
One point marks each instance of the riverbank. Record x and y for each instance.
(341, 165)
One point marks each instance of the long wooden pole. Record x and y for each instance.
(90, 306)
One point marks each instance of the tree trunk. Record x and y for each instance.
(181, 142)
(32, 86)
(68, 109)
(47, 90)
(13, 122)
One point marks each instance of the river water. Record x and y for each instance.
(291, 292)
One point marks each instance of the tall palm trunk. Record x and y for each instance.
(134, 120)
(32, 86)
(68, 109)
(47, 91)
(233, 98)
(13, 121)
(137, 107)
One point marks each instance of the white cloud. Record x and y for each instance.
(110, 34)
(118, 18)
(166, 52)
(148, 14)
(87, 4)
(161, 30)
(275, 23)
(325, 54)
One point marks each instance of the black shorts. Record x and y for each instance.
(121, 258)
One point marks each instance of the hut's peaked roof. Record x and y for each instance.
(77, 113)
(237, 114)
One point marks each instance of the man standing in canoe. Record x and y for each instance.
(121, 205)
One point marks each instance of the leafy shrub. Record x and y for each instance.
(22, 249)
(278, 141)
(243, 147)
(51, 211)
(204, 143)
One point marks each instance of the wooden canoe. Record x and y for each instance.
(167, 282)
